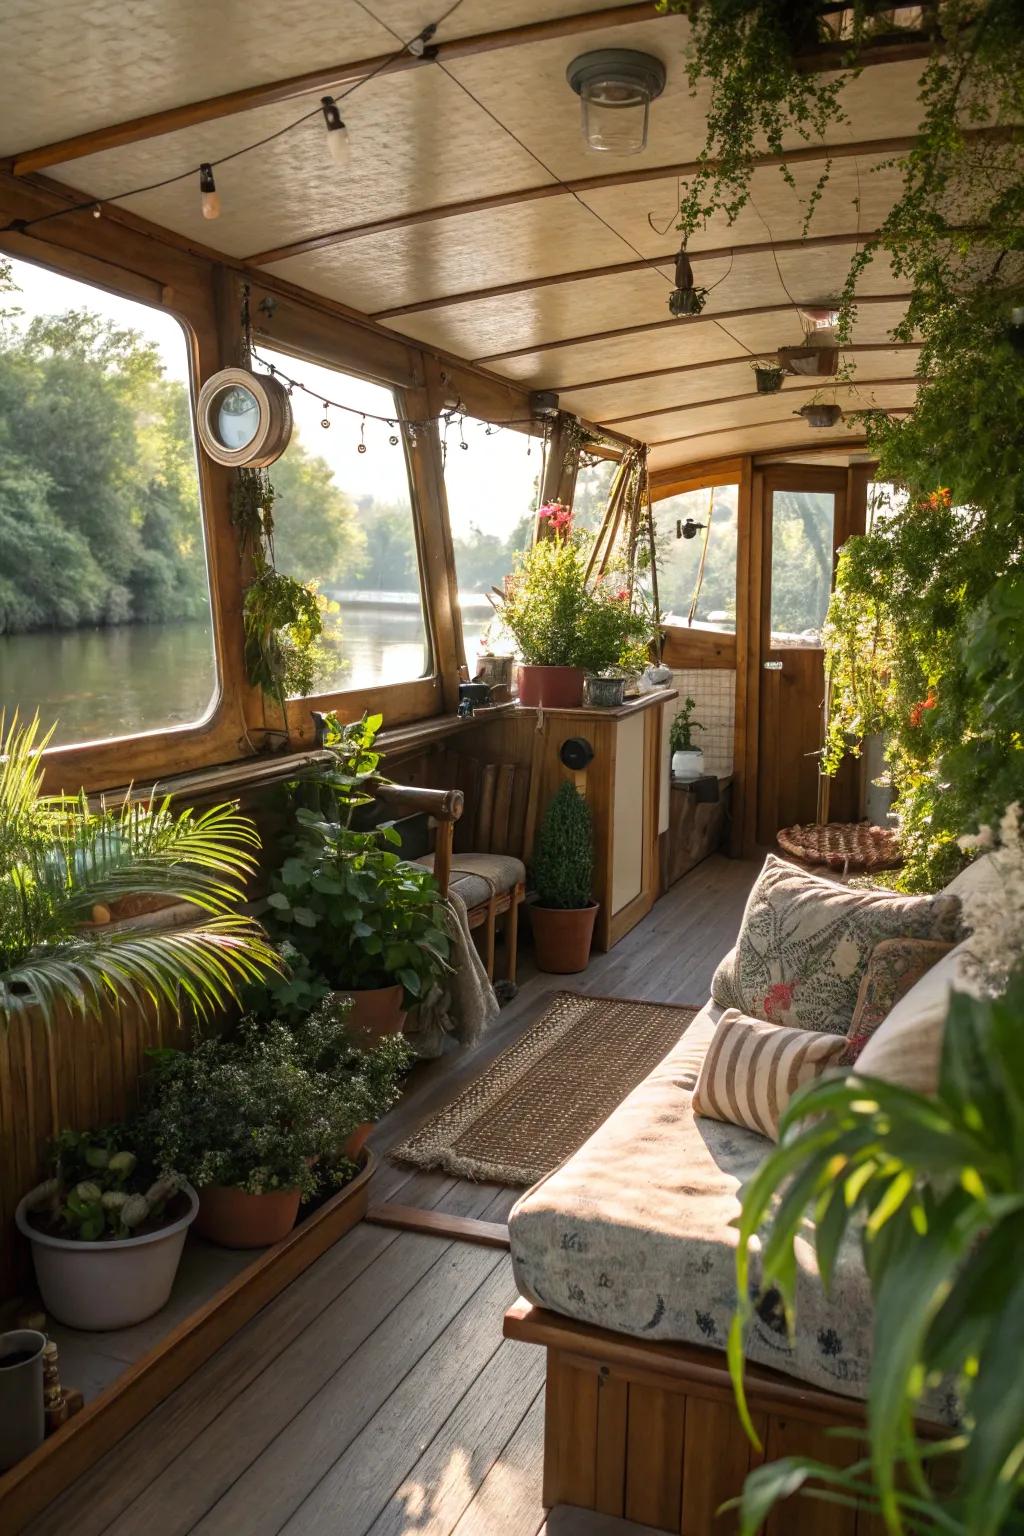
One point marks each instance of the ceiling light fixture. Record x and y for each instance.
(337, 134)
(209, 196)
(616, 87)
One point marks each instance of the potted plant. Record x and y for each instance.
(65, 867)
(820, 415)
(563, 911)
(768, 376)
(369, 922)
(687, 760)
(107, 1230)
(257, 1121)
(563, 625)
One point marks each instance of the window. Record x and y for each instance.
(492, 491)
(802, 536)
(593, 488)
(685, 591)
(344, 520)
(105, 617)
(884, 501)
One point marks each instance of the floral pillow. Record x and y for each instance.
(805, 942)
(894, 967)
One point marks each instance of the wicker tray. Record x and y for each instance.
(843, 845)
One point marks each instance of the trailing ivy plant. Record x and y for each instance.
(283, 618)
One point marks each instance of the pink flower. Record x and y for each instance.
(557, 516)
(778, 1001)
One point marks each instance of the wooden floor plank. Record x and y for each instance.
(440, 1487)
(278, 1459)
(508, 1499)
(356, 1487)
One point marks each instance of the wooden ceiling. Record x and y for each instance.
(484, 227)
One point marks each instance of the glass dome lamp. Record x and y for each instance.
(616, 87)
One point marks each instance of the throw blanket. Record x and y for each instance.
(464, 1005)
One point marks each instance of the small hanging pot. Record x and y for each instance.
(817, 361)
(768, 378)
(820, 415)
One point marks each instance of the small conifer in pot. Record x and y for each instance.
(563, 911)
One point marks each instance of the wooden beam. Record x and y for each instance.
(435, 1223)
(751, 426)
(723, 362)
(752, 394)
(328, 78)
(682, 325)
(811, 154)
(616, 269)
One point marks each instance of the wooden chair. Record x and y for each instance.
(489, 877)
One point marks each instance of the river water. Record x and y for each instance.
(99, 683)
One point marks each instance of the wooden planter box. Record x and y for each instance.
(28, 1487)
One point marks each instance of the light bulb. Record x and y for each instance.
(338, 143)
(210, 195)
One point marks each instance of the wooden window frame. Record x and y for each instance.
(683, 647)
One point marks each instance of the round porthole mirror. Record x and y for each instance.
(244, 419)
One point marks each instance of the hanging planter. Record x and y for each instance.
(820, 415)
(768, 377)
(817, 361)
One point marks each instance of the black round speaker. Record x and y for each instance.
(576, 752)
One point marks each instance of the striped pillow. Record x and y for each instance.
(752, 1070)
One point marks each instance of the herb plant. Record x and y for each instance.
(563, 864)
(682, 728)
(363, 916)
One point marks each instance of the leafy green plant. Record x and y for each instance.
(682, 728)
(260, 1110)
(563, 863)
(100, 1189)
(559, 619)
(363, 916)
(63, 865)
(936, 1189)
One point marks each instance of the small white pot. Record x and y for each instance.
(688, 765)
(103, 1286)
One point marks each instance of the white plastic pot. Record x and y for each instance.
(688, 765)
(103, 1286)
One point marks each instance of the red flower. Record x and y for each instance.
(778, 1000)
(557, 516)
(923, 704)
(622, 596)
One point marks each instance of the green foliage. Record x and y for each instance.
(559, 619)
(936, 1189)
(60, 860)
(362, 915)
(259, 1110)
(563, 863)
(101, 1189)
(683, 725)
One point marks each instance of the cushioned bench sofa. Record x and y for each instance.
(624, 1257)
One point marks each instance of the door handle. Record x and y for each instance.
(772, 666)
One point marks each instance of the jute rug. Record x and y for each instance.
(543, 1097)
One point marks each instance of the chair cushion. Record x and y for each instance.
(474, 875)
(633, 1233)
(752, 1070)
(804, 945)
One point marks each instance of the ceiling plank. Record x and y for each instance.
(683, 324)
(331, 77)
(724, 362)
(811, 154)
(751, 426)
(615, 269)
(797, 385)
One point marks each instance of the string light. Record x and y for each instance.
(338, 143)
(208, 189)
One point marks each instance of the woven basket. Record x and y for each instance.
(843, 845)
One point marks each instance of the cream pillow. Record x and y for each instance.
(906, 1048)
(805, 941)
(752, 1069)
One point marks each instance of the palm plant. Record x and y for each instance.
(61, 862)
(936, 1187)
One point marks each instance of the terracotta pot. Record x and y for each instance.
(551, 687)
(357, 1141)
(562, 937)
(234, 1219)
(376, 1011)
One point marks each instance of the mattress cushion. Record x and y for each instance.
(632, 1233)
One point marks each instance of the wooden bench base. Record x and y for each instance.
(649, 1432)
